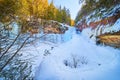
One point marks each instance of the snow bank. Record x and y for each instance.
(35, 50)
(99, 60)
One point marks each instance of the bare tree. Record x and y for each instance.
(11, 66)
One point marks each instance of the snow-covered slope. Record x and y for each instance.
(101, 21)
(113, 28)
(78, 59)
(102, 13)
(92, 33)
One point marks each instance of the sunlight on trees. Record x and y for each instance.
(24, 13)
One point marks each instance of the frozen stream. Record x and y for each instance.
(92, 62)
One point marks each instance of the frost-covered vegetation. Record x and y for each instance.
(28, 16)
(80, 61)
(37, 43)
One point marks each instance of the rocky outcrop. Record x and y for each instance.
(54, 27)
(47, 26)
(111, 39)
(109, 20)
(50, 29)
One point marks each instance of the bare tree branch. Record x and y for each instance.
(14, 54)
(10, 46)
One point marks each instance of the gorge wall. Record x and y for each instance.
(109, 20)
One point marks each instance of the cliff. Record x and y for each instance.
(103, 22)
(111, 39)
(105, 28)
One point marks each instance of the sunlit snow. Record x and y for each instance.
(56, 61)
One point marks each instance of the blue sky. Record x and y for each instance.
(72, 5)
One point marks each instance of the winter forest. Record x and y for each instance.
(59, 39)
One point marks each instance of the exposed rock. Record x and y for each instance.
(109, 20)
(54, 27)
(111, 39)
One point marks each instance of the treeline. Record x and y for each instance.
(32, 9)
(58, 14)
(91, 5)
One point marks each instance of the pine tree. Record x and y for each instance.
(51, 11)
(8, 9)
(59, 14)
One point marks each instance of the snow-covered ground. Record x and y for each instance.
(113, 28)
(77, 59)
(105, 29)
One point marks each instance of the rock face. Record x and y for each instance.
(54, 27)
(109, 20)
(111, 39)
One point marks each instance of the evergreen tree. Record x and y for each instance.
(59, 14)
(64, 15)
(68, 17)
(8, 9)
(51, 11)
(92, 5)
